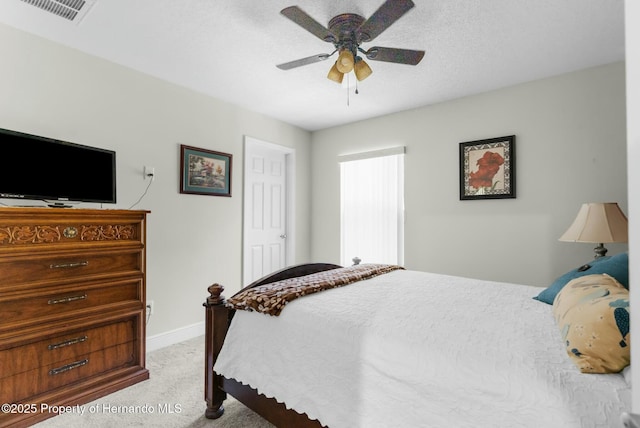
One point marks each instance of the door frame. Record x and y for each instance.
(290, 203)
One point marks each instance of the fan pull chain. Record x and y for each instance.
(348, 84)
(348, 90)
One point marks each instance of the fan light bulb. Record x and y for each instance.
(345, 61)
(334, 74)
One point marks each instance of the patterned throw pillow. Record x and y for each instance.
(592, 313)
(616, 266)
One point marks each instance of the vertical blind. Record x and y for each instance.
(372, 206)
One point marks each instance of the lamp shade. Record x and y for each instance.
(598, 223)
(361, 69)
(335, 75)
(345, 61)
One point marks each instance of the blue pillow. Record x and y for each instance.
(616, 266)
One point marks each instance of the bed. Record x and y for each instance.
(408, 349)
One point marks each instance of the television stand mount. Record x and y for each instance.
(59, 205)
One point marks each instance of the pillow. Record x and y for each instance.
(592, 313)
(616, 266)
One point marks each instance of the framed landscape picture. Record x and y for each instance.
(205, 172)
(487, 169)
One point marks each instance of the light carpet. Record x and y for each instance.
(172, 397)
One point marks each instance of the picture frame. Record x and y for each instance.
(488, 169)
(205, 172)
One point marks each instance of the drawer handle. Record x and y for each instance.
(68, 367)
(67, 343)
(69, 265)
(67, 299)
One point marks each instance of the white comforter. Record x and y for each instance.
(414, 349)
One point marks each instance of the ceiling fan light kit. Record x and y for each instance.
(347, 32)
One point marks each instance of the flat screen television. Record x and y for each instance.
(33, 167)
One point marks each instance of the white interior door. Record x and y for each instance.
(265, 209)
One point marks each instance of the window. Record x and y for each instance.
(372, 207)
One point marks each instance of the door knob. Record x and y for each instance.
(283, 236)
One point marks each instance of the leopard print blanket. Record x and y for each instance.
(271, 298)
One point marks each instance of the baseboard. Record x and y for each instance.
(172, 337)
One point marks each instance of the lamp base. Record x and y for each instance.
(600, 251)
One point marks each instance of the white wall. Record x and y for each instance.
(570, 149)
(632, 46)
(193, 241)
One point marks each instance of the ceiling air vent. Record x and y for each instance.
(73, 10)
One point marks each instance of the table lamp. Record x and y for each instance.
(598, 223)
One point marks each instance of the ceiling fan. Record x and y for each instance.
(347, 32)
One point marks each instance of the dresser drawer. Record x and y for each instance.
(47, 229)
(45, 304)
(64, 347)
(65, 372)
(16, 272)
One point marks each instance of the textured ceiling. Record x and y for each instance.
(229, 48)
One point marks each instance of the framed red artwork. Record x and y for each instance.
(487, 169)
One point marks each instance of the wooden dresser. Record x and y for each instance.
(72, 308)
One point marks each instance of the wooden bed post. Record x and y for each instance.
(217, 323)
(216, 386)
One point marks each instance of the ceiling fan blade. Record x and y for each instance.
(387, 14)
(303, 61)
(400, 56)
(301, 18)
